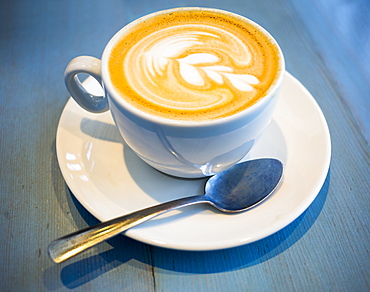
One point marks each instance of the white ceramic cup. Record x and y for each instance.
(179, 148)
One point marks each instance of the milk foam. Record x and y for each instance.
(167, 57)
(193, 70)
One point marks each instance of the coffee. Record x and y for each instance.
(193, 65)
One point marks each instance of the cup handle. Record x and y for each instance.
(88, 101)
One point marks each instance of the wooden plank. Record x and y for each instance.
(339, 30)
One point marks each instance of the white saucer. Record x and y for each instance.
(109, 180)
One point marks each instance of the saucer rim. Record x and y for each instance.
(221, 244)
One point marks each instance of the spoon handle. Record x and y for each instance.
(70, 245)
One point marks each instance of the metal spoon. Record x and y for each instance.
(237, 189)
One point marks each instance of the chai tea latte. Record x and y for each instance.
(193, 65)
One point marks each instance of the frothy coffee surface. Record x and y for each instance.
(193, 65)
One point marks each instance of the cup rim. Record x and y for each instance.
(185, 123)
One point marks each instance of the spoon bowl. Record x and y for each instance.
(239, 188)
(244, 185)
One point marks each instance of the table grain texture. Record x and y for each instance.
(326, 46)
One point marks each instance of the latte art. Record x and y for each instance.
(196, 67)
(188, 67)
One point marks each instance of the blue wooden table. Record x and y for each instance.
(326, 46)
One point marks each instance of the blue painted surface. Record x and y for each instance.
(325, 249)
(340, 31)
